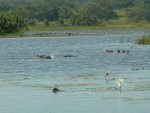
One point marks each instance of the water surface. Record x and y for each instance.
(26, 81)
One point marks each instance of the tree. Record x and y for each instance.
(84, 20)
(11, 22)
(137, 14)
(101, 11)
(5, 5)
(65, 12)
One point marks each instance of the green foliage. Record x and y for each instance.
(5, 5)
(84, 20)
(102, 10)
(46, 22)
(145, 40)
(11, 23)
(65, 12)
(32, 22)
(61, 21)
(80, 12)
(124, 3)
(137, 14)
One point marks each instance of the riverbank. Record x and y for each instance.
(42, 30)
(113, 24)
(145, 40)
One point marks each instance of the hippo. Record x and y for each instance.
(40, 56)
(69, 56)
(123, 51)
(108, 51)
(55, 90)
(118, 51)
(44, 57)
(48, 57)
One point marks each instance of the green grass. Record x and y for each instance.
(145, 40)
(113, 24)
(14, 34)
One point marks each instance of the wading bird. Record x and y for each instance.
(120, 81)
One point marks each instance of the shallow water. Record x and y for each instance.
(26, 81)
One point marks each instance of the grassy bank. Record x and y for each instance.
(121, 24)
(145, 40)
(13, 35)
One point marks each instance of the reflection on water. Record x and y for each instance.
(26, 82)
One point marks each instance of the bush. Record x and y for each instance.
(145, 40)
(61, 21)
(32, 22)
(84, 20)
(11, 23)
(46, 22)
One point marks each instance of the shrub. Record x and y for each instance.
(61, 21)
(46, 22)
(32, 22)
(84, 20)
(145, 40)
(11, 23)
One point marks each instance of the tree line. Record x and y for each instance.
(75, 12)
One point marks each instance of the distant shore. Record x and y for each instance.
(40, 30)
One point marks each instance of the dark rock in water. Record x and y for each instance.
(55, 90)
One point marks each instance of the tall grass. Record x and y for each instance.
(145, 40)
(113, 24)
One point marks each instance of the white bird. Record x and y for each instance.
(120, 81)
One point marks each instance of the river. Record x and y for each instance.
(26, 81)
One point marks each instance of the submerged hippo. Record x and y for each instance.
(44, 57)
(70, 56)
(108, 51)
(123, 51)
(55, 90)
